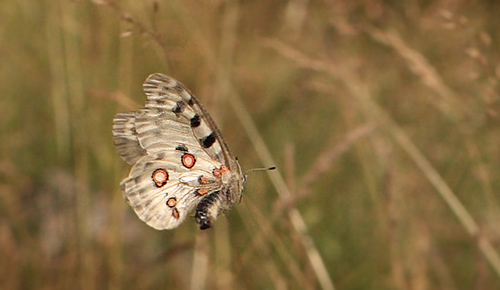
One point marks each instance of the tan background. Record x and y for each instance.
(381, 116)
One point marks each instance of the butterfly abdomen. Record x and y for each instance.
(207, 210)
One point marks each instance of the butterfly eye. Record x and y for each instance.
(188, 160)
(160, 177)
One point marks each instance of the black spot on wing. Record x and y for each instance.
(177, 88)
(179, 107)
(195, 121)
(161, 101)
(208, 140)
(181, 147)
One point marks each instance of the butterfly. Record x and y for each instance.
(179, 159)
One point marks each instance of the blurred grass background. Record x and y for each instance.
(381, 116)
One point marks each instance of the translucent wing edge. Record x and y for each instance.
(125, 137)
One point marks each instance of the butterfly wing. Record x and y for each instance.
(125, 137)
(162, 191)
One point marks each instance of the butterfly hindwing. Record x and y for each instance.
(125, 137)
(162, 191)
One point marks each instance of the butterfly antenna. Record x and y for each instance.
(260, 169)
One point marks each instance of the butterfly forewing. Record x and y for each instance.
(165, 93)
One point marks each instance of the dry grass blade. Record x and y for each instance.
(322, 165)
(325, 160)
(200, 262)
(264, 232)
(142, 29)
(421, 67)
(295, 16)
(118, 97)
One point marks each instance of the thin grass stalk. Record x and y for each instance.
(289, 166)
(294, 18)
(265, 232)
(323, 164)
(116, 222)
(73, 76)
(253, 226)
(200, 262)
(62, 112)
(419, 65)
(325, 161)
(58, 88)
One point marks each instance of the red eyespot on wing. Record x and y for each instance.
(160, 177)
(188, 160)
(203, 179)
(201, 191)
(218, 172)
(175, 213)
(171, 202)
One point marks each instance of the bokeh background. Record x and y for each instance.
(381, 116)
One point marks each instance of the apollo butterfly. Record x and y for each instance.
(179, 159)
